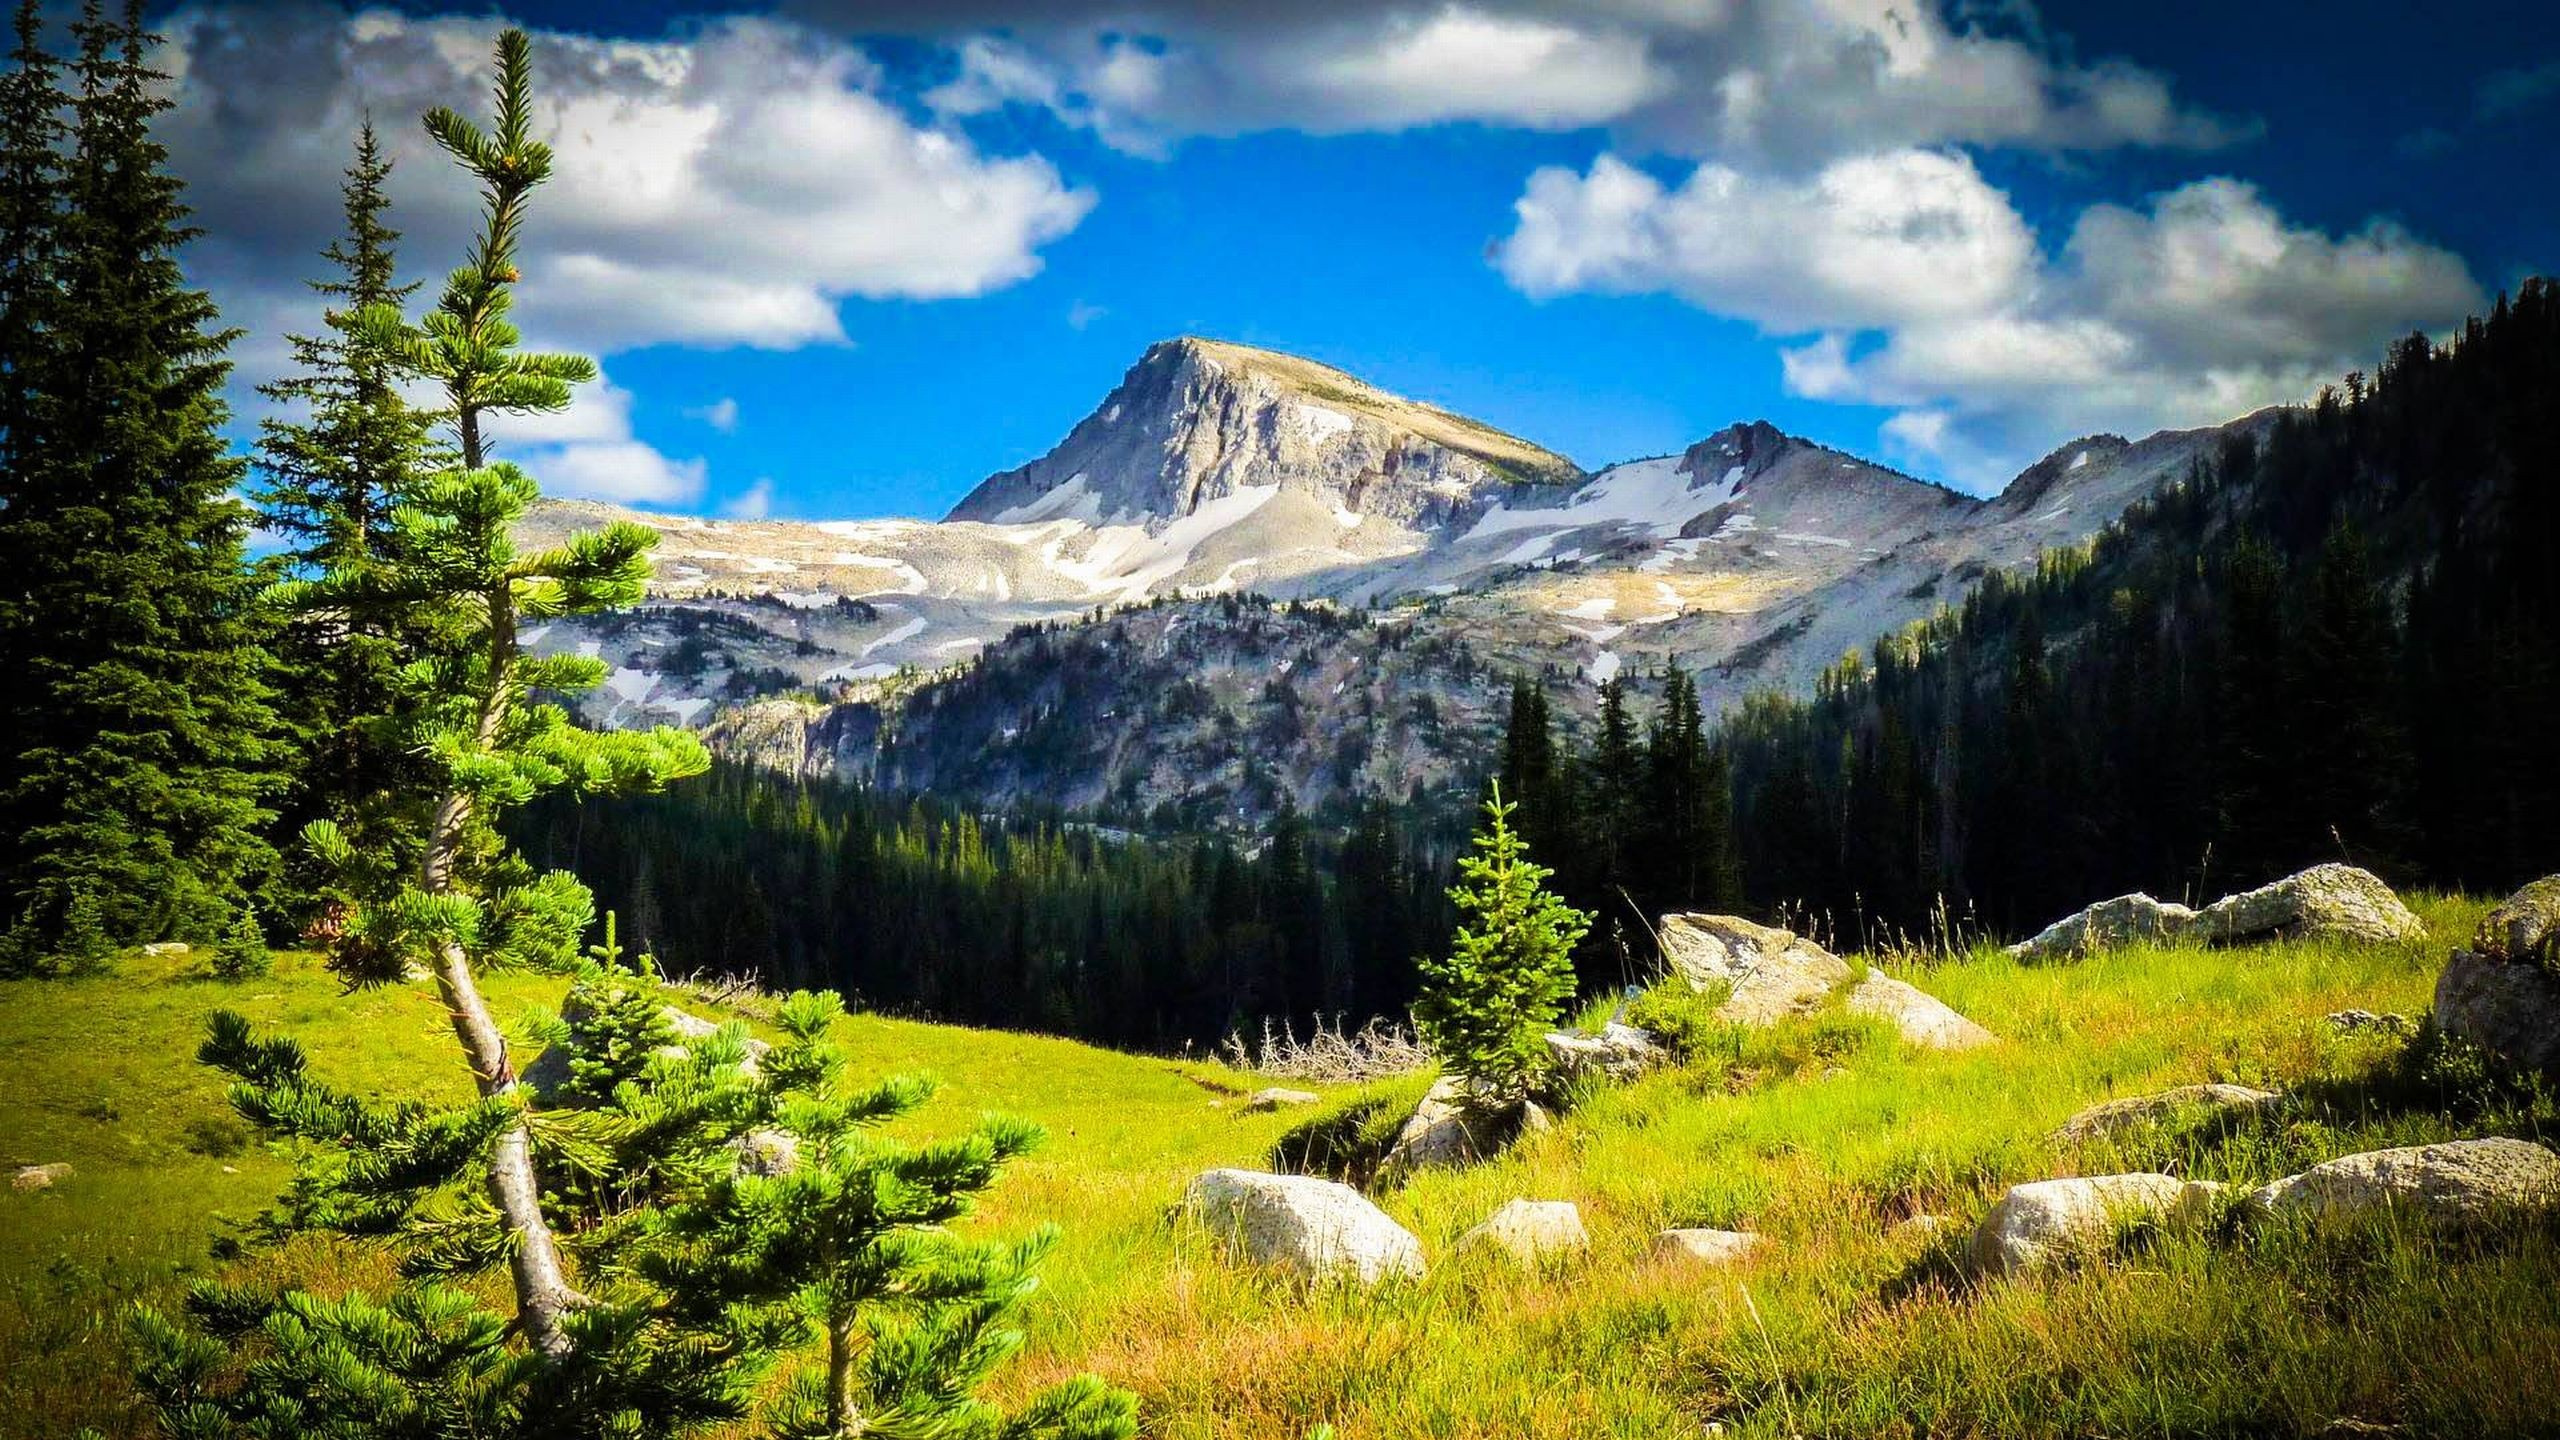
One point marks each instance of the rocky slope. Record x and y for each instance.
(1753, 558)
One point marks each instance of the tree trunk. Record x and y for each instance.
(841, 1419)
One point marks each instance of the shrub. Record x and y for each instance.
(241, 954)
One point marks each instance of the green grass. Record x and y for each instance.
(1821, 1134)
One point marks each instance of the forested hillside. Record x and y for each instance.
(2337, 643)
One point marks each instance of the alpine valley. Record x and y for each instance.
(1272, 579)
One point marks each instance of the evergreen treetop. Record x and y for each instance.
(1509, 970)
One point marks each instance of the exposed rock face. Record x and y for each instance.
(2326, 901)
(1705, 1247)
(2525, 929)
(2115, 1116)
(2460, 1180)
(1619, 1052)
(2332, 901)
(1277, 1098)
(1321, 1229)
(1529, 1231)
(2121, 921)
(1196, 420)
(1774, 974)
(2039, 1222)
(2509, 1008)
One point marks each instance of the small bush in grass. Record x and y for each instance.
(241, 954)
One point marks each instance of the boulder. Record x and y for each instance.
(1619, 1052)
(766, 1152)
(2121, 921)
(1772, 974)
(2526, 928)
(1923, 1019)
(2113, 1116)
(165, 947)
(2323, 902)
(1705, 1247)
(2458, 1180)
(1321, 1229)
(1278, 1097)
(2509, 1008)
(39, 1177)
(1529, 1231)
(1443, 1131)
(2044, 1220)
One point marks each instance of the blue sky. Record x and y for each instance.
(911, 243)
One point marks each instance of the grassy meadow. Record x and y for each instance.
(1822, 1134)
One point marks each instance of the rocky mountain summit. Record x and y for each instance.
(1753, 558)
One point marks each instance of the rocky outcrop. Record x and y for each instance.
(1619, 1053)
(1445, 1130)
(1320, 1229)
(2125, 920)
(1706, 1247)
(2526, 928)
(1770, 974)
(2037, 1223)
(2338, 902)
(2510, 1009)
(2113, 1117)
(1278, 1098)
(2457, 1181)
(2324, 902)
(1528, 1231)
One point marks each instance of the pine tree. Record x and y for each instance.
(241, 953)
(137, 739)
(333, 463)
(1509, 969)
(31, 133)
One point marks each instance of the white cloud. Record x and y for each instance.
(729, 188)
(588, 451)
(1790, 81)
(753, 503)
(720, 414)
(1920, 288)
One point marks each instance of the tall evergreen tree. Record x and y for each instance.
(138, 738)
(333, 462)
(1509, 969)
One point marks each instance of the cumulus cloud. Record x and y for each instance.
(753, 503)
(727, 188)
(589, 451)
(1916, 285)
(720, 414)
(1782, 81)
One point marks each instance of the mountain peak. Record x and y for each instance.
(1197, 419)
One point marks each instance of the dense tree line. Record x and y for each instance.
(2335, 641)
(1633, 822)
(915, 905)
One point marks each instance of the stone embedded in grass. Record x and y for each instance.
(1917, 1227)
(2366, 1022)
(1620, 1052)
(158, 948)
(2509, 1009)
(2525, 927)
(2115, 1116)
(1772, 975)
(2046, 1220)
(2457, 1180)
(2122, 921)
(1320, 1229)
(2324, 902)
(40, 1177)
(1443, 1131)
(766, 1152)
(1706, 1247)
(1278, 1097)
(1529, 1231)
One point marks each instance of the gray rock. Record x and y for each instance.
(2458, 1180)
(1278, 1097)
(2122, 921)
(766, 1152)
(2037, 1223)
(1772, 974)
(2366, 1022)
(1443, 1130)
(1529, 1231)
(2526, 927)
(2324, 902)
(2509, 1008)
(1619, 1052)
(2115, 1116)
(1320, 1229)
(166, 947)
(40, 1177)
(1706, 1247)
